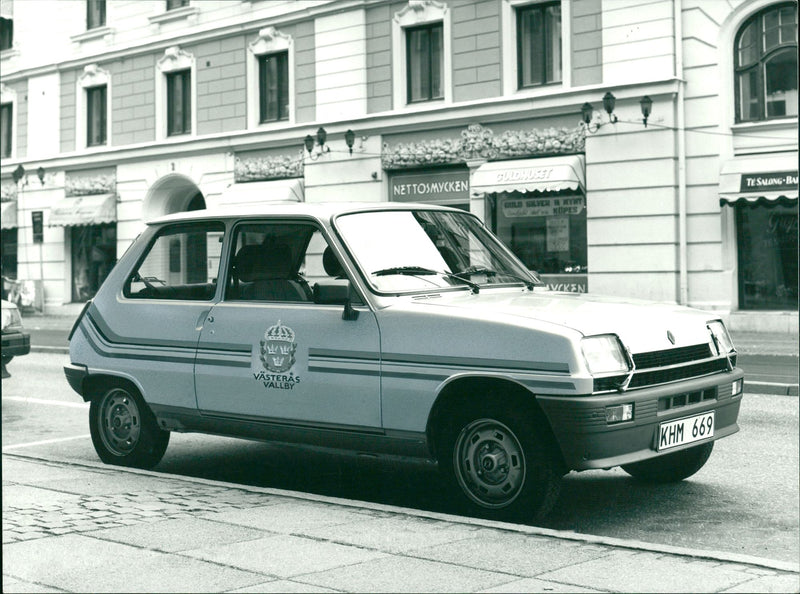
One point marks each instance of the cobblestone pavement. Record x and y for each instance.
(86, 513)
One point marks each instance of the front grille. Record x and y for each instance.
(672, 402)
(661, 367)
(672, 356)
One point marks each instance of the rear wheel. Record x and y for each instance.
(673, 467)
(124, 430)
(499, 465)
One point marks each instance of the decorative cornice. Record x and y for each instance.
(8, 192)
(175, 58)
(105, 183)
(268, 167)
(478, 142)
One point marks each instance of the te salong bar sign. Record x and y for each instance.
(759, 182)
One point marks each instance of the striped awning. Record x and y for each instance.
(8, 215)
(75, 211)
(759, 179)
(277, 190)
(547, 174)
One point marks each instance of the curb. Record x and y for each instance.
(774, 388)
(636, 545)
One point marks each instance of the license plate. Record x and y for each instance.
(675, 433)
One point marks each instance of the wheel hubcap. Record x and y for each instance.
(119, 422)
(489, 463)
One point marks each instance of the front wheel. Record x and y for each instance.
(671, 468)
(500, 466)
(124, 430)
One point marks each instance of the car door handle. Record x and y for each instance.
(201, 319)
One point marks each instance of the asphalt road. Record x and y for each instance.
(745, 500)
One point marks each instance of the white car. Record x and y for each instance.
(399, 330)
(15, 341)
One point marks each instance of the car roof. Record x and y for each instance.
(319, 210)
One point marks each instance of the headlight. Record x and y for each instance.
(11, 318)
(604, 354)
(720, 339)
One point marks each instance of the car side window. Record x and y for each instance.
(182, 263)
(274, 262)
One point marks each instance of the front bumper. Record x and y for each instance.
(587, 441)
(15, 344)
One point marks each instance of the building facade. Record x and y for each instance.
(640, 148)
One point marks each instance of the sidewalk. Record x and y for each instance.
(95, 528)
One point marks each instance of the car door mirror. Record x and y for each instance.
(332, 292)
(336, 292)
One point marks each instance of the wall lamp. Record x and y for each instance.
(593, 121)
(309, 142)
(19, 173)
(321, 138)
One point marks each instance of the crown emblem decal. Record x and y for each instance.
(278, 348)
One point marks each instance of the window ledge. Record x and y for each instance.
(92, 34)
(186, 12)
(9, 53)
(763, 125)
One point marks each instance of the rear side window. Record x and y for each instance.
(182, 263)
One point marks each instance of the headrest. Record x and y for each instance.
(258, 262)
(331, 263)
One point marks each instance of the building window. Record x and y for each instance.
(6, 33)
(6, 122)
(766, 65)
(539, 45)
(93, 251)
(548, 233)
(174, 4)
(767, 245)
(179, 103)
(424, 62)
(273, 87)
(95, 14)
(96, 116)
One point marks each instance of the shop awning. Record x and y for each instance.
(548, 174)
(759, 179)
(8, 215)
(75, 211)
(290, 189)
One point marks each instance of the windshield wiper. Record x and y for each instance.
(409, 270)
(488, 272)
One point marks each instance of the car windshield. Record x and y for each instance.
(405, 251)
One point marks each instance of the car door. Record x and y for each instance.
(267, 352)
(149, 329)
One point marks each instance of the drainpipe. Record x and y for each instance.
(683, 272)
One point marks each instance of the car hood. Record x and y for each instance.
(642, 326)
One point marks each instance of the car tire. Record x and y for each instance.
(499, 466)
(671, 468)
(124, 429)
(7, 359)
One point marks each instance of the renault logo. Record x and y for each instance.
(670, 337)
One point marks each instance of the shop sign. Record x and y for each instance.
(570, 283)
(438, 185)
(543, 207)
(770, 182)
(37, 222)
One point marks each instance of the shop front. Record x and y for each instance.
(91, 240)
(763, 191)
(538, 209)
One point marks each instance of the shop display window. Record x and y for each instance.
(546, 232)
(94, 252)
(767, 249)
